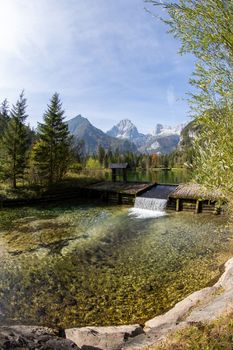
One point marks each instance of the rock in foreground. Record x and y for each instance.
(33, 338)
(106, 338)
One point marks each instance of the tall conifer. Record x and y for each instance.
(52, 151)
(15, 142)
(4, 116)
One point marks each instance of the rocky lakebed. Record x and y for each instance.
(77, 270)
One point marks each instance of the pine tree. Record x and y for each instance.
(52, 151)
(4, 116)
(101, 154)
(15, 141)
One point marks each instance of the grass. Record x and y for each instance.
(215, 335)
(28, 191)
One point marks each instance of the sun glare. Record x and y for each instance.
(11, 26)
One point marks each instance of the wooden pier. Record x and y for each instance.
(118, 192)
(187, 197)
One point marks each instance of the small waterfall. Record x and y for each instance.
(152, 203)
(148, 208)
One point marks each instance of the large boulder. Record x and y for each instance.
(104, 338)
(33, 338)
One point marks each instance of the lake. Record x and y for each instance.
(72, 265)
(173, 176)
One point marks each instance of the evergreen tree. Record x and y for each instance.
(106, 161)
(15, 140)
(52, 151)
(4, 116)
(101, 154)
(110, 155)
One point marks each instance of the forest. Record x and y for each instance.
(44, 156)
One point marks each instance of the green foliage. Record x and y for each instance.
(93, 163)
(15, 142)
(101, 154)
(216, 335)
(75, 167)
(213, 157)
(51, 153)
(205, 29)
(4, 116)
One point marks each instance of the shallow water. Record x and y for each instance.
(70, 265)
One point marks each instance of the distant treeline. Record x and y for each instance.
(177, 158)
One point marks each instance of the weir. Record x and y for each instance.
(159, 191)
(152, 202)
(187, 197)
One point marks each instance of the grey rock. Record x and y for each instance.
(213, 310)
(32, 338)
(179, 311)
(105, 338)
(83, 130)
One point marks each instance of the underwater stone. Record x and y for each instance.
(105, 338)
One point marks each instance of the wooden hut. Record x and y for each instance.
(196, 198)
(119, 170)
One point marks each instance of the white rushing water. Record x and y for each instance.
(148, 208)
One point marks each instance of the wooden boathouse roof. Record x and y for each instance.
(118, 165)
(196, 191)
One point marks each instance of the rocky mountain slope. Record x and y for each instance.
(125, 136)
(162, 139)
(166, 130)
(82, 129)
(125, 129)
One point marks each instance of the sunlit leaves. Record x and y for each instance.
(205, 29)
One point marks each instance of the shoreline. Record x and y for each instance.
(204, 305)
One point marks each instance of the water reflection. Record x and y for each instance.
(174, 176)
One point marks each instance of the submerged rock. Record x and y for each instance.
(205, 305)
(33, 338)
(105, 338)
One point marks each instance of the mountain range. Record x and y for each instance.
(125, 137)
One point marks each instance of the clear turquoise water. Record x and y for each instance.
(70, 265)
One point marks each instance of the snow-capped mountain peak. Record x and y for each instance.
(163, 139)
(125, 129)
(165, 130)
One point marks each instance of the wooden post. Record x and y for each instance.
(114, 175)
(197, 209)
(125, 175)
(178, 204)
(217, 209)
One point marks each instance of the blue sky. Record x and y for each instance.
(109, 60)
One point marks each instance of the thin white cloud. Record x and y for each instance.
(100, 55)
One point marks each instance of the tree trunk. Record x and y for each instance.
(14, 181)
